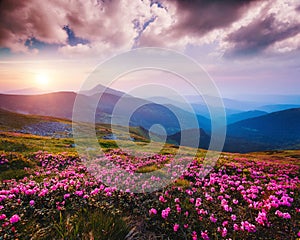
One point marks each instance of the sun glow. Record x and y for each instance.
(42, 79)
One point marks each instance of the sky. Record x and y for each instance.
(248, 47)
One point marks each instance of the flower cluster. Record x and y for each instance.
(239, 198)
(3, 159)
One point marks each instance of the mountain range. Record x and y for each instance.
(258, 129)
(60, 104)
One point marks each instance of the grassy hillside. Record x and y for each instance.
(52, 195)
(11, 120)
(48, 192)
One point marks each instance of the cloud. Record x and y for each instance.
(189, 21)
(275, 29)
(96, 22)
(202, 16)
(21, 20)
(78, 49)
(259, 35)
(291, 44)
(96, 27)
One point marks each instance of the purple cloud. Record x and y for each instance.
(99, 27)
(259, 35)
(202, 16)
(22, 20)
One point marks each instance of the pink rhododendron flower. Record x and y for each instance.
(204, 235)
(224, 232)
(162, 199)
(198, 202)
(31, 202)
(236, 227)
(194, 235)
(212, 218)
(14, 219)
(165, 213)
(262, 218)
(152, 211)
(286, 215)
(278, 213)
(175, 228)
(67, 195)
(178, 208)
(79, 193)
(246, 226)
(189, 192)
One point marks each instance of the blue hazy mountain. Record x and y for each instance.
(253, 130)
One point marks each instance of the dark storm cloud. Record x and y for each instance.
(194, 19)
(197, 17)
(259, 35)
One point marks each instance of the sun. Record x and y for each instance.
(42, 79)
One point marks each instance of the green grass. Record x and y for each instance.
(82, 223)
(147, 169)
(86, 223)
(11, 120)
(13, 174)
(15, 166)
(109, 144)
(137, 133)
(12, 146)
(27, 143)
(182, 183)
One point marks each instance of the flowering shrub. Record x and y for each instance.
(3, 159)
(238, 199)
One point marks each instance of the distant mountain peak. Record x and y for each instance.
(101, 89)
(27, 91)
